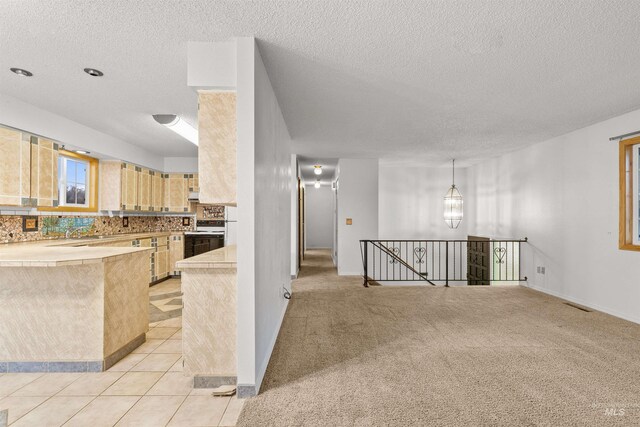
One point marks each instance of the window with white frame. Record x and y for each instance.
(73, 182)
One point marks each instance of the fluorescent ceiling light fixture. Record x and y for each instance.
(21, 72)
(179, 126)
(82, 151)
(317, 184)
(317, 170)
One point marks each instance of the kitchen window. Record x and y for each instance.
(77, 183)
(73, 177)
(629, 233)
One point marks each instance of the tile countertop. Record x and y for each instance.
(58, 252)
(218, 258)
(55, 256)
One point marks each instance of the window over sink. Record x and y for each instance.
(77, 183)
(73, 180)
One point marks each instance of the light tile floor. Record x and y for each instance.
(146, 388)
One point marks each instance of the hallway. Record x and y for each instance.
(347, 355)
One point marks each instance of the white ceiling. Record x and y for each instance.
(412, 82)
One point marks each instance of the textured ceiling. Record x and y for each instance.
(409, 81)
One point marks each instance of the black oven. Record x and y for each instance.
(199, 243)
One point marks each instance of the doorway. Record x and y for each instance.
(478, 258)
(300, 222)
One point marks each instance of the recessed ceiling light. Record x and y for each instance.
(179, 126)
(82, 152)
(93, 72)
(22, 72)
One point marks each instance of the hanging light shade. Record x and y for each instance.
(453, 203)
(317, 169)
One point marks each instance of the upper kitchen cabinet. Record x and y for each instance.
(36, 172)
(145, 190)
(176, 192)
(15, 173)
(129, 186)
(44, 172)
(194, 183)
(217, 168)
(157, 191)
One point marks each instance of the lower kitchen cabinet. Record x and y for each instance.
(162, 261)
(160, 265)
(176, 252)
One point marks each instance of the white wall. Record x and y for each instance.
(20, 115)
(411, 203)
(264, 216)
(180, 164)
(357, 199)
(246, 324)
(319, 215)
(563, 195)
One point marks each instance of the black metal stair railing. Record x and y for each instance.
(477, 262)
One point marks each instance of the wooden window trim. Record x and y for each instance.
(93, 186)
(626, 165)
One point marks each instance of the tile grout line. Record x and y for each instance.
(177, 409)
(224, 412)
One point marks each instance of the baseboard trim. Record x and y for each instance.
(119, 354)
(250, 390)
(53, 366)
(579, 301)
(73, 365)
(244, 391)
(212, 381)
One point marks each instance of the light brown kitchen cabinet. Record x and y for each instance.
(161, 258)
(44, 171)
(145, 190)
(157, 191)
(15, 173)
(176, 192)
(193, 182)
(129, 186)
(217, 146)
(176, 252)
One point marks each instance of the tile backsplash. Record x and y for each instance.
(55, 227)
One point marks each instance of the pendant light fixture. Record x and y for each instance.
(317, 169)
(453, 202)
(317, 184)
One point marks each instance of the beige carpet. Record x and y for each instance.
(428, 356)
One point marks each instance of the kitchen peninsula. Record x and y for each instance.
(209, 283)
(70, 308)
